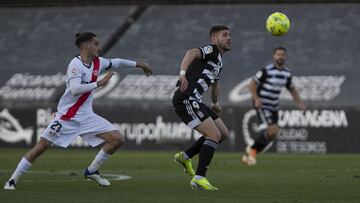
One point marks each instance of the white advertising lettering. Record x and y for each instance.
(140, 87)
(311, 88)
(23, 86)
(293, 135)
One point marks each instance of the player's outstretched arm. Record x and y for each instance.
(116, 63)
(296, 97)
(254, 95)
(189, 57)
(214, 97)
(146, 67)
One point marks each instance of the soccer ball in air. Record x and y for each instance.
(278, 24)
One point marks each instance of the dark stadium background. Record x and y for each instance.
(315, 158)
(37, 42)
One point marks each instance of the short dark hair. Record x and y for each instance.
(83, 37)
(217, 28)
(279, 48)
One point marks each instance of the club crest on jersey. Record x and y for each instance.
(208, 49)
(74, 72)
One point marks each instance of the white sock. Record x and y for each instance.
(185, 156)
(197, 177)
(99, 160)
(23, 166)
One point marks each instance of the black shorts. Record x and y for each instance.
(193, 112)
(267, 117)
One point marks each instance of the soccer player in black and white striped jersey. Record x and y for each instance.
(200, 70)
(265, 88)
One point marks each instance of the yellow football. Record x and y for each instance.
(278, 24)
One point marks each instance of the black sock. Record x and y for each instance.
(195, 148)
(206, 154)
(261, 142)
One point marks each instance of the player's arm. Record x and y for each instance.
(254, 94)
(189, 57)
(116, 63)
(295, 94)
(296, 97)
(214, 97)
(77, 88)
(257, 79)
(146, 67)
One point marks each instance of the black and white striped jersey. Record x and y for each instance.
(201, 73)
(270, 81)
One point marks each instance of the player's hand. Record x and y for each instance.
(257, 103)
(146, 68)
(105, 79)
(216, 108)
(302, 107)
(183, 83)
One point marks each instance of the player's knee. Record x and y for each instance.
(41, 146)
(118, 140)
(121, 140)
(271, 134)
(272, 131)
(225, 134)
(37, 150)
(216, 136)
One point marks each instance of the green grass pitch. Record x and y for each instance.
(155, 177)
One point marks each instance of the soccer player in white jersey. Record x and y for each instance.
(265, 88)
(75, 116)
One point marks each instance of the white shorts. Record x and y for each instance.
(62, 133)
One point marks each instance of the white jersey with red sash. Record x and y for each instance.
(75, 115)
(79, 107)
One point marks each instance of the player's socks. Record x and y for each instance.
(99, 160)
(261, 142)
(197, 177)
(206, 154)
(185, 156)
(195, 148)
(23, 167)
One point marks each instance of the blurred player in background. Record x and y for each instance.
(75, 116)
(200, 69)
(265, 88)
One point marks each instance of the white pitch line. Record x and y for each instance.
(110, 176)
